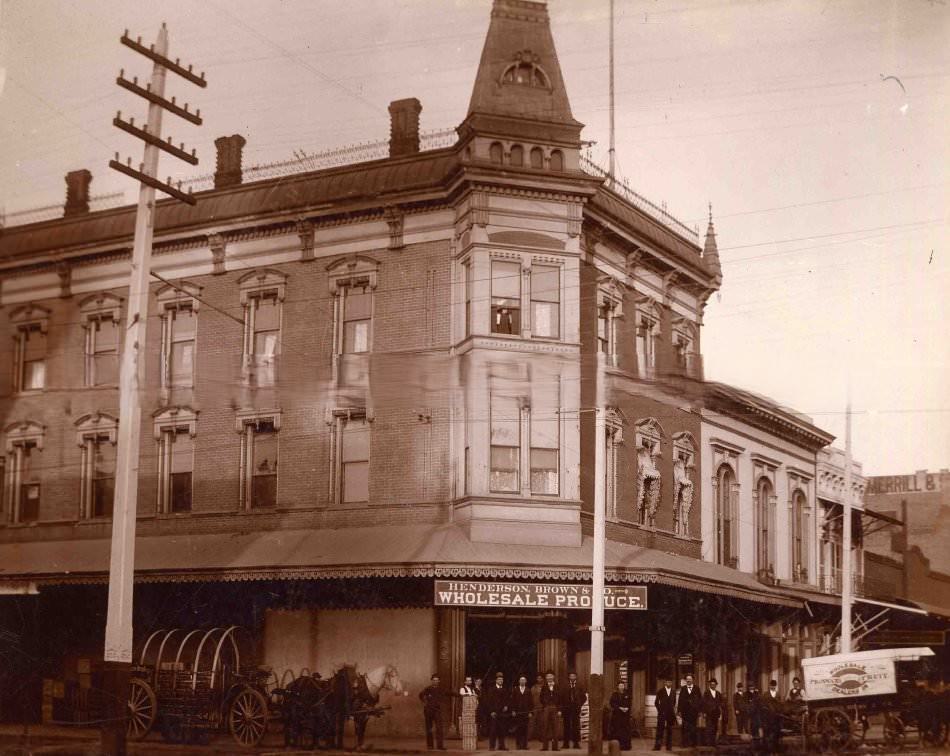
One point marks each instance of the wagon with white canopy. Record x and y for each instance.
(870, 697)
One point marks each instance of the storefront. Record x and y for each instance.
(416, 598)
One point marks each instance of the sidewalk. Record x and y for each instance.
(84, 741)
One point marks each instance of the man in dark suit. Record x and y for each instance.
(433, 699)
(521, 705)
(572, 698)
(495, 702)
(714, 708)
(550, 712)
(688, 706)
(665, 715)
(740, 705)
(772, 717)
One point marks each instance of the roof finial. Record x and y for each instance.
(710, 213)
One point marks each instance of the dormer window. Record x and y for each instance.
(526, 71)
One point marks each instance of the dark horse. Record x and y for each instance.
(357, 696)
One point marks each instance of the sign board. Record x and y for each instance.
(849, 678)
(908, 638)
(536, 595)
(922, 482)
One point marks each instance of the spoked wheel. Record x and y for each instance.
(247, 717)
(833, 730)
(935, 735)
(141, 709)
(893, 731)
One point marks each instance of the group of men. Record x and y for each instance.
(759, 715)
(550, 707)
(544, 709)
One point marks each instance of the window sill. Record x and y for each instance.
(101, 387)
(30, 392)
(94, 521)
(40, 523)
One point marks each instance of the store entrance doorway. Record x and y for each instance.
(500, 643)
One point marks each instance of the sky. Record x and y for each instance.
(812, 126)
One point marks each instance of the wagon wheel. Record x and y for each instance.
(935, 734)
(247, 717)
(833, 730)
(893, 731)
(141, 709)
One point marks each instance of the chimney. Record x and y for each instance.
(227, 171)
(404, 127)
(77, 193)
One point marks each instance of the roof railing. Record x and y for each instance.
(361, 152)
(657, 212)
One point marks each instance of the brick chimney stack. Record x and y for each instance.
(227, 171)
(77, 193)
(404, 127)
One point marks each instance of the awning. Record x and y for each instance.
(443, 551)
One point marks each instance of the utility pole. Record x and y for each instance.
(117, 654)
(612, 152)
(846, 567)
(595, 684)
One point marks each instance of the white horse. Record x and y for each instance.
(384, 677)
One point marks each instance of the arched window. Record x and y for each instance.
(525, 71)
(537, 157)
(557, 160)
(765, 525)
(801, 518)
(517, 155)
(727, 494)
(495, 152)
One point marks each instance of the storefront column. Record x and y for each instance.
(552, 655)
(451, 662)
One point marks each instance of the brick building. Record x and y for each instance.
(365, 378)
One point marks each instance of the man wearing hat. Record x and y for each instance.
(740, 705)
(495, 704)
(714, 709)
(772, 716)
(433, 699)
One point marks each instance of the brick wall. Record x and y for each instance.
(409, 433)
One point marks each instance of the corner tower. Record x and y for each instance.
(519, 114)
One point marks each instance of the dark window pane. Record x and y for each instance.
(180, 492)
(29, 502)
(103, 495)
(557, 161)
(495, 152)
(517, 155)
(264, 491)
(537, 157)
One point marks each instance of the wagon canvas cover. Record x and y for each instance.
(862, 673)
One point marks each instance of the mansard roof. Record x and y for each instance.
(349, 188)
(519, 76)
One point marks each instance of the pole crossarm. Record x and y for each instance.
(153, 182)
(170, 106)
(130, 128)
(149, 52)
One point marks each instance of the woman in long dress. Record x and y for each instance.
(620, 702)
